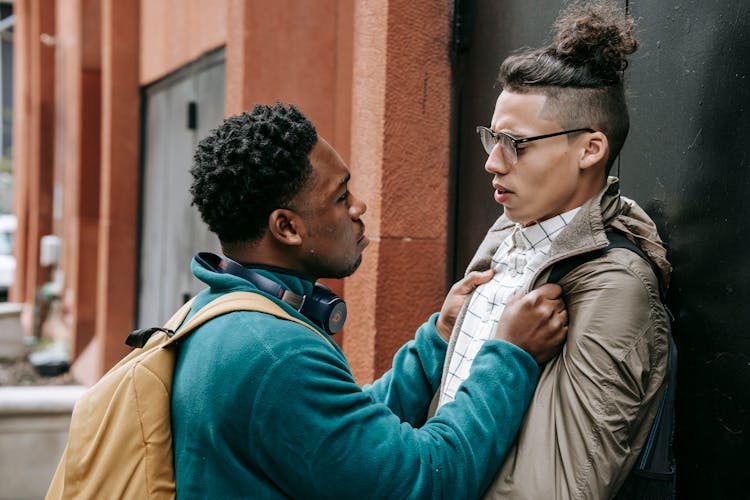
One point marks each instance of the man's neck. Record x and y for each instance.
(259, 255)
(278, 270)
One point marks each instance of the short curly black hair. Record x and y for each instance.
(250, 165)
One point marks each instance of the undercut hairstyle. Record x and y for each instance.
(250, 165)
(580, 71)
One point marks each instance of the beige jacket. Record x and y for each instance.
(595, 402)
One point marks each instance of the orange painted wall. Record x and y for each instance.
(175, 32)
(292, 51)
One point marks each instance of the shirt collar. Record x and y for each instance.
(542, 233)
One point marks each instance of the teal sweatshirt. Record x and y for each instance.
(264, 408)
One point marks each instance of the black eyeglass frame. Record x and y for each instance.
(515, 142)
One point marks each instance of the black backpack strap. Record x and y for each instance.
(653, 462)
(654, 473)
(139, 338)
(562, 268)
(616, 240)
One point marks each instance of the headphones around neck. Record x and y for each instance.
(322, 306)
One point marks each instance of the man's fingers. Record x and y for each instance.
(557, 314)
(536, 322)
(557, 306)
(563, 314)
(558, 321)
(473, 280)
(549, 291)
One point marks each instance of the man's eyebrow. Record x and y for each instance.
(346, 179)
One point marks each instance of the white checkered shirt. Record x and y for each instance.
(516, 260)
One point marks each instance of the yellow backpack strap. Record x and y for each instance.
(177, 318)
(230, 302)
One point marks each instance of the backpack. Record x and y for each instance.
(654, 476)
(120, 439)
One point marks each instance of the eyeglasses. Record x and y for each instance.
(509, 144)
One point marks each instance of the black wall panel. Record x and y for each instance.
(687, 161)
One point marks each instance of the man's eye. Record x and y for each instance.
(343, 197)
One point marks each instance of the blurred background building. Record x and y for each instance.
(110, 96)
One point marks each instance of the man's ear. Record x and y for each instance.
(285, 226)
(594, 151)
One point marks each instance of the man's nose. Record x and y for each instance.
(496, 162)
(357, 209)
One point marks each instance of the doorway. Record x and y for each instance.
(179, 111)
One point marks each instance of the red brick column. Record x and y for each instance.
(400, 160)
(118, 209)
(21, 132)
(34, 143)
(79, 104)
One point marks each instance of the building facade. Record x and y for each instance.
(94, 86)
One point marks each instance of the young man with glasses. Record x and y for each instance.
(557, 128)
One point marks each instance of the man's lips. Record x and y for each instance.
(501, 193)
(363, 239)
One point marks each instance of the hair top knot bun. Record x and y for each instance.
(597, 35)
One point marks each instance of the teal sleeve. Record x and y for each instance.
(317, 434)
(408, 387)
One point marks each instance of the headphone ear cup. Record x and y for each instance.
(337, 317)
(325, 308)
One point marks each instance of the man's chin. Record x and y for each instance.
(517, 218)
(353, 268)
(348, 271)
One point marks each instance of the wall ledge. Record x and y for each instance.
(16, 400)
